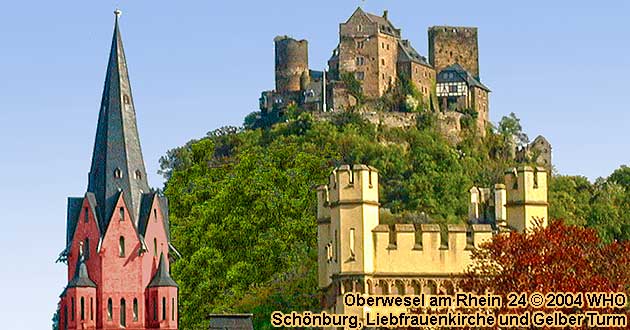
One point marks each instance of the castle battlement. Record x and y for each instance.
(357, 253)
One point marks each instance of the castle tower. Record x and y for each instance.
(368, 48)
(348, 211)
(291, 63)
(526, 203)
(116, 232)
(454, 44)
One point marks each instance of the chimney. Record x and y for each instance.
(385, 14)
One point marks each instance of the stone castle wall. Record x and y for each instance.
(449, 45)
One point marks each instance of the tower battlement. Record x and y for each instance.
(358, 253)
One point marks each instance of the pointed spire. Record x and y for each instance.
(81, 278)
(162, 277)
(117, 164)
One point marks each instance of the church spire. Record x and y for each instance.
(117, 164)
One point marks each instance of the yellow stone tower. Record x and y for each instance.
(526, 198)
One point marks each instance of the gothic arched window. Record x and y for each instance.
(123, 312)
(109, 309)
(121, 246)
(82, 309)
(163, 308)
(135, 309)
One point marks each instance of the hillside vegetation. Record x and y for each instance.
(242, 203)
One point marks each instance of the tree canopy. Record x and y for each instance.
(242, 204)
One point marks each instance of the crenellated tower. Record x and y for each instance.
(526, 197)
(357, 253)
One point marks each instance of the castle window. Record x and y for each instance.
(123, 313)
(452, 89)
(360, 60)
(383, 45)
(351, 241)
(109, 309)
(135, 309)
(154, 215)
(121, 246)
(360, 44)
(173, 307)
(360, 75)
(163, 308)
(82, 309)
(383, 61)
(138, 175)
(155, 246)
(122, 213)
(91, 309)
(387, 46)
(72, 309)
(360, 28)
(86, 216)
(126, 99)
(117, 173)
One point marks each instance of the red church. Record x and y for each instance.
(118, 247)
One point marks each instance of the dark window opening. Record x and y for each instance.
(135, 309)
(121, 246)
(109, 309)
(123, 312)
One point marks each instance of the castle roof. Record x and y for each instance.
(459, 74)
(117, 163)
(384, 24)
(162, 278)
(409, 54)
(81, 278)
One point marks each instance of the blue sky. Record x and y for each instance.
(561, 66)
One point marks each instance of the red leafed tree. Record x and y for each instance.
(558, 258)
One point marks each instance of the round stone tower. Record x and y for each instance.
(291, 63)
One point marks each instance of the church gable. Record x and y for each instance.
(85, 237)
(154, 229)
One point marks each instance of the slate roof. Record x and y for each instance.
(459, 74)
(81, 278)
(231, 321)
(162, 278)
(384, 24)
(117, 163)
(409, 54)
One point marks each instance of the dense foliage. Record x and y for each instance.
(242, 203)
(559, 258)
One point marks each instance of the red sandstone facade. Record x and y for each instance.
(117, 248)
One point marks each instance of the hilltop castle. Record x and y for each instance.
(118, 247)
(356, 253)
(372, 49)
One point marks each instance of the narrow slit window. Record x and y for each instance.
(121, 246)
(123, 312)
(82, 308)
(122, 213)
(173, 307)
(135, 309)
(351, 240)
(109, 309)
(163, 308)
